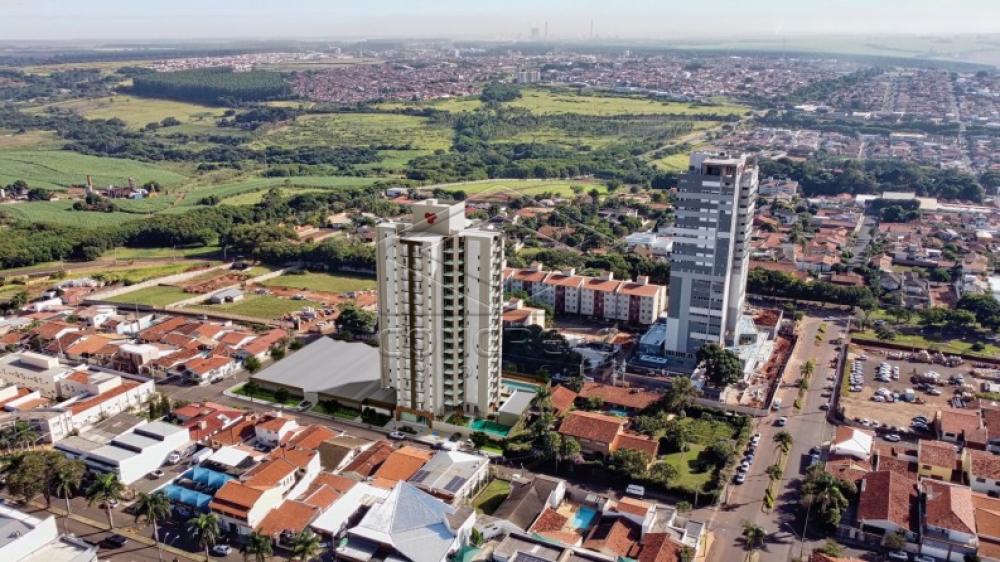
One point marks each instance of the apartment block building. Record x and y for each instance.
(439, 293)
(710, 260)
(601, 298)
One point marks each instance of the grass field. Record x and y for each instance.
(228, 190)
(673, 163)
(452, 105)
(254, 197)
(55, 169)
(547, 102)
(490, 498)
(685, 463)
(263, 307)
(945, 346)
(147, 253)
(61, 212)
(360, 129)
(159, 296)
(266, 395)
(135, 275)
(37, 140)
(310, 281)
(561, 188)
(137, 112)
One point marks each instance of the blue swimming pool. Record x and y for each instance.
(583, 517)
(518, 385)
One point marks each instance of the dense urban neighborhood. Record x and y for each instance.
(498, 301)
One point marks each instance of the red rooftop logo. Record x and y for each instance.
(431, 217)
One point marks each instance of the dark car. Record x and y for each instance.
(115, 541)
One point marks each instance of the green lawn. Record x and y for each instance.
(57, 169)
(36, 140)
(61, 212)
(546, 102)
(135, 275)
(322, 282)
(673, 163)
(264, 394)
(149, 253)
(561, 188)
(704, 432)
(360, 129)
(228, 190)
(945, 346)
(159, 296)
(490, 498)
(136, 112)
(684, 462)
(264, 307)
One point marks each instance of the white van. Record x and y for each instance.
(635, 490)
(776, 405)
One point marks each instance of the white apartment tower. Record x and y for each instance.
(440, 312)
(710, 260)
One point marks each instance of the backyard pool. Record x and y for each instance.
(518, 385)
(583, 517)
(489, 427)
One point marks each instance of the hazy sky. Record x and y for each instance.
(487, 19)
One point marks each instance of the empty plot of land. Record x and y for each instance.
(547, 102)
(55, 169)
(362, 129)
(513, 188)
(137, 112)
(159, 296)
(264, 307)
(324, 282)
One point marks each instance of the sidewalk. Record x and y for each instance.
(127, 532)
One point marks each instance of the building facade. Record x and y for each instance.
(440, 292)
(710, 260)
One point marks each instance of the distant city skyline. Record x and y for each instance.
(110, 20)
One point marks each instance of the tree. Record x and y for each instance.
(154, 507)
(677, 435)
(205, 530)
(479, 439)
(569, 448)
(26, 475)
(808, 368)
(831, 548)
(719, 452)
(630, 463)
(252, 365)
(355, 320)
(679, 395)
(258, 546)
(105, 490)
(773, 472)
(753, 537)
(783, 440)
(827, 495)
(305, 546)
(281, 395)
(277, 352)
(67, 479)
(885, 333)
(722, 367)
(894, 541)
(663, 473)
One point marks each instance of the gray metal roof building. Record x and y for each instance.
(329, 368)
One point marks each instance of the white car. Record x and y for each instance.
(780, 422)
(892, 438)
(924, 558)
(741, 477)
(397, 435)
(174, 458)
(898, 555)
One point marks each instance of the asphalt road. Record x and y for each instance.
(809, 428)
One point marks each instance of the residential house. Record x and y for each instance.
(338, 452)
(887, 503)
(949, 525)
(936, 460)
(852, 442)
(955, 425)
(602, 434)
(452, 476)
(982, 470)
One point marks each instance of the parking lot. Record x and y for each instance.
(893, 412)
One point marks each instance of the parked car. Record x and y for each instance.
(824, 406)
(898, 555)
(741, 477)
(115, 541)
(635, 490)
(780, 422)
(397, 435)
(174, 458)
(221, 550)
(155, 474)
(924, 558)
(892, 438)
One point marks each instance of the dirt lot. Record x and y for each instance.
(898, 414)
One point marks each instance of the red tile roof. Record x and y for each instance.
(290, 516)
(937, 454)
(959, 422)
(641, 443)
(235, 499)
(562, 399)
(635, 398)
(616, 536)
(659, 547)
(84, 405)
(591, 426)
(887, 496)
(984, 464)
(949, 507)
(368, 461)
(402, 464)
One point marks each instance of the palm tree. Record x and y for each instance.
(753, 537)
(807, 368)
(827, 494)
(783, 439)
(106, 489)
(153, 507)
(205, 529)
(259, 546)
(67, 479)
(305, 546)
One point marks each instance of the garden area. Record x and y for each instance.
(490, 498)
(253, 391)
